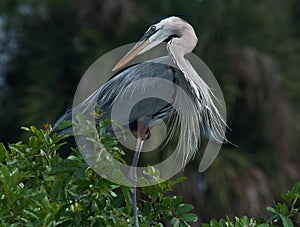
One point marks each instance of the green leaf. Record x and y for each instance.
(189, 217)
(263, 225)
(229, 223)
(39, 196)
(214, 223)
(31, 214)
(286, 221)
(159, 225)
(127, 197)
(48, 220)
(184, 208)
(287, 197)
(26, 129)
(222, 222)
(3, 152)
(175, 201)
(35, 130)
(271, 209)
(61, 211)
(205, 225)
(117, 201)
(56, 188)
(68, 166)
(178, 180)
(296, 188)
(245, 220)
(82, 121)
(166, 201)
(145, 224)
(284, 210)
(65, 124)
(147, 207)
(176, 223)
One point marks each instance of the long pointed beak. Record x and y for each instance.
(144, 42)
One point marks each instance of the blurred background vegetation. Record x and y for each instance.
(252, 47)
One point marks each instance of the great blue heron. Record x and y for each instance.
(199, 112)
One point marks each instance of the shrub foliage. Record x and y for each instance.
(39, 188)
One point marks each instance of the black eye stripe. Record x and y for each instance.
(170, 38)
(151, 32)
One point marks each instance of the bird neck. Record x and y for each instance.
(186, 41)
(177, 53)
(178, 47)
(198, 85)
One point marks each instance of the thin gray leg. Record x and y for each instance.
(133, 177)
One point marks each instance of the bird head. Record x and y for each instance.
(164, 30)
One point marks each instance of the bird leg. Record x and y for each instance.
(133, 177)
(142, 134)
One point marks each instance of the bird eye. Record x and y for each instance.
(153, 28)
